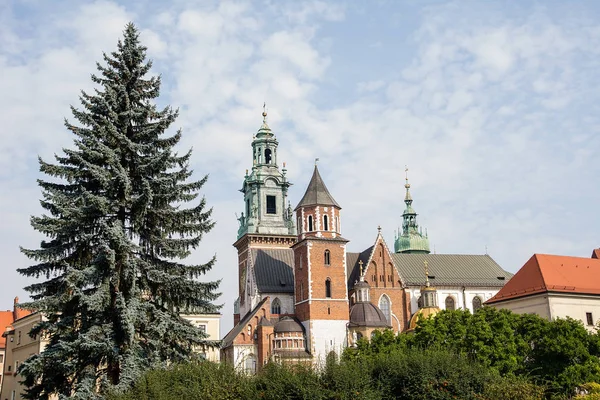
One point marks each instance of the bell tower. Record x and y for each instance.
(321, 291)
(411, 238)
(267, 218)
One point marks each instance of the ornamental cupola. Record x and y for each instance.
(429, 301)
(265, 189)
(410, 239)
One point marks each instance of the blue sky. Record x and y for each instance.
(494, 106)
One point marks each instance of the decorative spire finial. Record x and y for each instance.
(360, 265)
(264, 113)
(406, 185)
(316, 161)
(379, 229)
(426, 273)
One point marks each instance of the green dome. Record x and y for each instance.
(412, 243)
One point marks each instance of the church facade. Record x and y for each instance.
(303, 294)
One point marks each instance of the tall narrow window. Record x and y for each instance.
(325, 223)
(267, 156)
(384, 306)
(328, 288)
(271, 205)
(247, 207)
(310, 223)
(299, 224)
(327, 257)
(450, 305)
(589, 318)
(276, 306)
(476, 303)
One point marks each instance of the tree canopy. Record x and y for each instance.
(118, 227)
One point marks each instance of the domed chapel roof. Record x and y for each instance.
(367, 314)
(287, 324)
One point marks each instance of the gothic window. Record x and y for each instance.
(420, 302)
(476, 303)
(271, 205)
(310, 224)
(328, 288)
(259, 156)
(250, 366)
(384, 306)
(267, 156)
(450, 305)
(327, 258)
(325, 223)
(276, 306)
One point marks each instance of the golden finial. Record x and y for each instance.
(426, 273)
(407, 185)
(264, 114)
(360, 265)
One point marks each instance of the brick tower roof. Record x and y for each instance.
(317, 193)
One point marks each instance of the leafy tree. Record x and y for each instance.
(118, 231)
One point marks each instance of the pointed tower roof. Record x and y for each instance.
(317, 193)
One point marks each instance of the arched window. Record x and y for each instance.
(259, 155)
(476, 303)
(267, 156)
(420, 302)
(310, 225)
(327, 258)
(276, 306)
(328, 288)
(325, 223)
(384, 306)
(250, 365)
(450, 305)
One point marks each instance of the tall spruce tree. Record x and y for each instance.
(118, 230)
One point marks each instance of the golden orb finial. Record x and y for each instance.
(407, 185)
(264, 113)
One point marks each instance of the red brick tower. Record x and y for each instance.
(321, 294)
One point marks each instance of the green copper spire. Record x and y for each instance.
(411, 239)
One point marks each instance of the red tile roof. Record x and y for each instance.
(549, 273)
(6, 319)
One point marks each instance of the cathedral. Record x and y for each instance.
(304, 295)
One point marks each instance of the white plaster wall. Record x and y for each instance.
(212, 322)
(575, 306)
(325, 336)
(287, 301)
(457, 293)
(537, 304)
(241, 352)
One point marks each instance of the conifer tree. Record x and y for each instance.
(122, 214)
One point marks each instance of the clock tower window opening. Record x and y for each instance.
(271, 205)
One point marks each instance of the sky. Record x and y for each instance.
(494, 106)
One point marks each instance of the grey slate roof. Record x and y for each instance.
(450, 269)
(352, 266)
(273, 270)
(317, 193)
